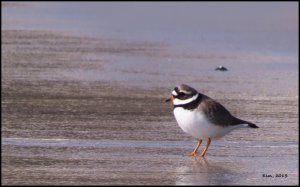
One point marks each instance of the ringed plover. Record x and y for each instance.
(202, 117)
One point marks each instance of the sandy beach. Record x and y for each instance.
(80, 110)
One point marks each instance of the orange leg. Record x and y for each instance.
(196, 149)
(207, 145)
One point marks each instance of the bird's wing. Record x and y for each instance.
(216, 113)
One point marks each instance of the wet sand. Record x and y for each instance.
(79, 130)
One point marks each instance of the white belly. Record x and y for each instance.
(195, 124)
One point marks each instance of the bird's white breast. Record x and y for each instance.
(195, 123)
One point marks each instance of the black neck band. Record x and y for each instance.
(192, 105)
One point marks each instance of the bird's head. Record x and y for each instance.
(182, 94)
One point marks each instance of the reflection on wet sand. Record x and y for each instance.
(201, 171)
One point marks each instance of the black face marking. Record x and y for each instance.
(180, 95)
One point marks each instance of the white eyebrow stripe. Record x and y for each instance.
(182, 102)
(174, 93)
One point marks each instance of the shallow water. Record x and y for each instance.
(90, 110)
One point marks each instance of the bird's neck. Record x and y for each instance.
(191, 105)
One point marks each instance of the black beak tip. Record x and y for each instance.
(168, 100)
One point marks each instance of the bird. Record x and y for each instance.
(202, 117)
(221, 68)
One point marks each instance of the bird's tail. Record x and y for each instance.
(245, 123)
(252, 125)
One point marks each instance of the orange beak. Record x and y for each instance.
(171, 98)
